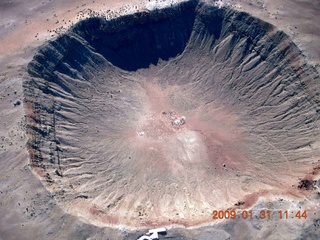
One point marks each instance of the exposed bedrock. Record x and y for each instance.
(161, 117)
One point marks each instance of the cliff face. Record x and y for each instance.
(102, 101)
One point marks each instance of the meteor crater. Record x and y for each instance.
(158, 118)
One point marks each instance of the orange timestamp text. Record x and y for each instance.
(262, 214)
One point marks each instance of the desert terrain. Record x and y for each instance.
(121, 116)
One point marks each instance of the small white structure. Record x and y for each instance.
(153, 234)
(141, 133)
(179, 121)
(144, 238)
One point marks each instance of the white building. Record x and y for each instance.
(153, 234)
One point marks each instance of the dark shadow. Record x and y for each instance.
(136, 41)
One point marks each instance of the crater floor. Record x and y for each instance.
(161, 117)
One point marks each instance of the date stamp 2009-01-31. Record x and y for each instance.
(260, 214)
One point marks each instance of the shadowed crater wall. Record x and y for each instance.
(160, 117)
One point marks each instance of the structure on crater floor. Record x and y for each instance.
(249, 99)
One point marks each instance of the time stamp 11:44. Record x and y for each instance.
(262, 214)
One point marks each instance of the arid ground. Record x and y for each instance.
(121, 116)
